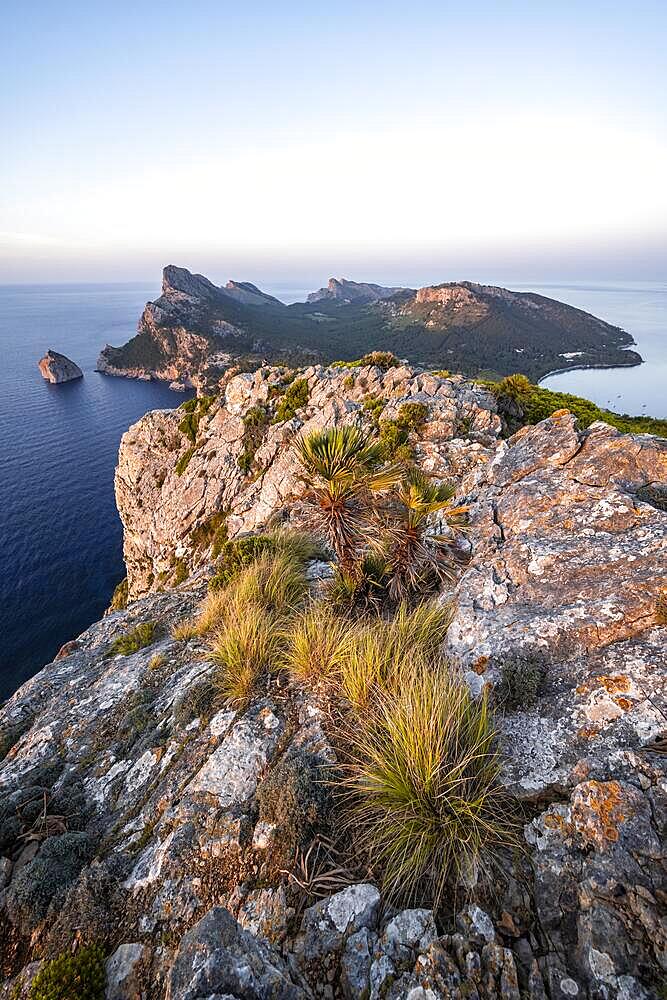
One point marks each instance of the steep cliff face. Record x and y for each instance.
(173, 864)
(57, 368)
(242, 463)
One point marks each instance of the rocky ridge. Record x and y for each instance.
(56, 368)
(568, 559)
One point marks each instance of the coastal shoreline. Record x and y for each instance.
(585, 368)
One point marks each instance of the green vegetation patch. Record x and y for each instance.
(194, 410)
(255, 422)
(141, 636)
(381, 359)
(395, 434)
(295, 396)
(184, 461)
(81, 975)
(237, 553)
(538, 403)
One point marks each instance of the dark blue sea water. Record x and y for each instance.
(60, 535)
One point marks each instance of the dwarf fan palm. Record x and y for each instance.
(416, 554)
(341, 474)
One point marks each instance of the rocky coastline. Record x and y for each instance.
(134, 817)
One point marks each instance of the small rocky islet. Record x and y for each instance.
(172, 832)
(57, 368)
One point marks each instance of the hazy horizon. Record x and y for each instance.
(269, 142)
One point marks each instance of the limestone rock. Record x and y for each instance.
(57, 368)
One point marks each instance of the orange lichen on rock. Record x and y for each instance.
(598, 809)
(480, 665)
(614, 684)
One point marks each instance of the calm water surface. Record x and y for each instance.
(60, 536)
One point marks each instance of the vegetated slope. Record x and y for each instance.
(459, 326)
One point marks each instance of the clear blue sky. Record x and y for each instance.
(388, 140)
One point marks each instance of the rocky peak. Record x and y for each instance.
(344, 291)
(249, 294)
(57, 368)
(178, 281)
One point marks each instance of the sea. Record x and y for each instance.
(60, 534)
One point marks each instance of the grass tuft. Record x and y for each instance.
(141, 636)
(424, 781)
(243, 648)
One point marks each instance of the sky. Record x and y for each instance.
(289, 141)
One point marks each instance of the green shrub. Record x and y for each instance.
(181, 572)
(236, 553)
(295, 396)
(428, 806)
(46, 878)
(184, 461)
(395, 434)
(78, 976)
(538, 403)
(189, 426)
(11, 733)
(521, 676)
(381, 359)
(190, 405)
(119, 596)
(212, 531)
(373, 406)
(132, 642)
(255, 422)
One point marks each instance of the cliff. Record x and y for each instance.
(195, 839)
(57, 368)
(196, 331)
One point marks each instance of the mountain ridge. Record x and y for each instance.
(195, 330)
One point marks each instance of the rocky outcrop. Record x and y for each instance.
(57, 368)
(164, 508)
(170, 859)
(343, 291)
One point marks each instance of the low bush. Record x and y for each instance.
(381, 359)
(236, 553)
(46, 878)
(538, 403)
(141, 636)
(522, 674)
(294, 398)
(81, 975)
(295, 796)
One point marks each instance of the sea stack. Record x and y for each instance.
(57, 368)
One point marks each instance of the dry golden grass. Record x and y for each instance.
(243, 648)
(315, 645)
